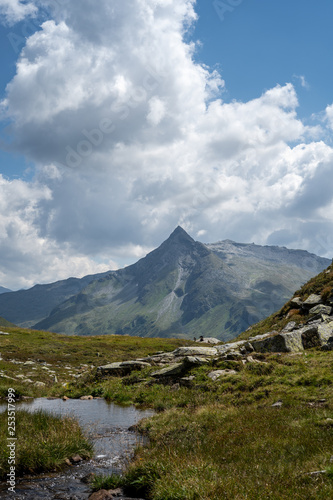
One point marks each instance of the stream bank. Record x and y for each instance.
(106, 424)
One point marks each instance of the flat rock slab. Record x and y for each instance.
(321, 309)
(312, 300)
(209, 340)
(195, 351)
(122, 367)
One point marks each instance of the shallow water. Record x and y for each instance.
(106, 424)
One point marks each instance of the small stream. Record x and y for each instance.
(106, 424)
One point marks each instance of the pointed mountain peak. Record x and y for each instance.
(180, 235)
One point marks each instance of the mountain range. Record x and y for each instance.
(184, 288)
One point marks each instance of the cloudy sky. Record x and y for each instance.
(122, 119)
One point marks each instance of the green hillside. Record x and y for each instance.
(4, 322)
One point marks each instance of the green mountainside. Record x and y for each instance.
(27, 307)
(182, 289)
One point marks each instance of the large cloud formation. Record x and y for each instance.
(130, 137)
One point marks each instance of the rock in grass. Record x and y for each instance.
(312, 300)
(325, 332)
(191, 361)
(195, 351)
(219, 373)
(122, 368)
(278, 404)
(170, 371)
(187, 381)
(321, 309)
(282, 342)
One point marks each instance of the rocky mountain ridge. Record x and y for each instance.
(181, 289)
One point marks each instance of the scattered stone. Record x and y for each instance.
(65, 398)
(86, 398)
(187, 381)
(278, 404)
(122, 368)
(290, 326)
(312, 300)
(76, 459)
(321, 309)
(29, 363)
(4, 333)
(191, 361)
(296, 301)
(219, 373)
(68, 462)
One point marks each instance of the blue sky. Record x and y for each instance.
(264, 42)
(120, 121)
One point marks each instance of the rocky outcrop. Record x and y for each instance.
(121, 368)
(316, 332)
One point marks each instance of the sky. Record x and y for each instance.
(121, 120)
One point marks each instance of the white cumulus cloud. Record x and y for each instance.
(139, 140)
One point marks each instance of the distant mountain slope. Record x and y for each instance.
(27, 307)
(4, 323)
(186, 288)
(4, 290)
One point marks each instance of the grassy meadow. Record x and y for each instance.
(210, 441)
